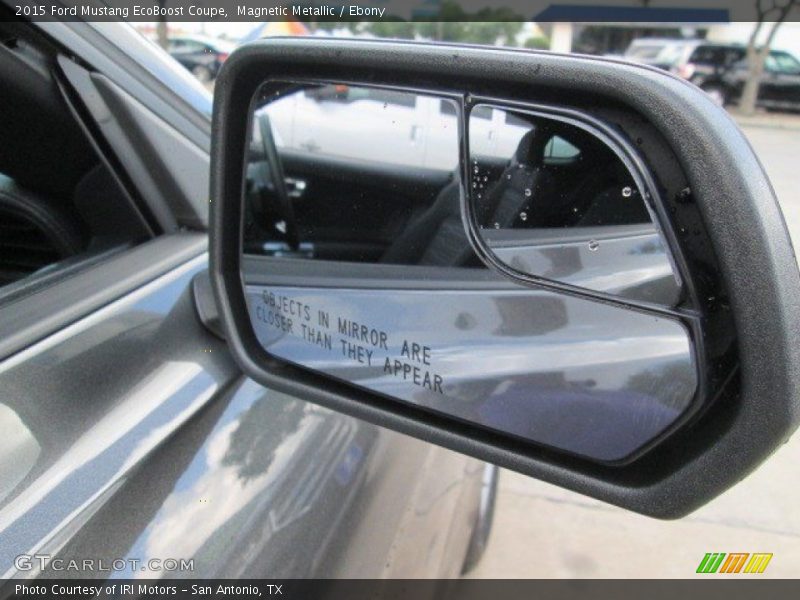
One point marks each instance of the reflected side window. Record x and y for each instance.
(356, 174)
(554, 200)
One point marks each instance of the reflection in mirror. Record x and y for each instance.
(19, 450)
(553, 200)
(358, 267)
(355, 174)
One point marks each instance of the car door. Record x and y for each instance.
(131, 434)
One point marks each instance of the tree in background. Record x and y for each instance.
(487, 26)
(775, 12)
(161, 26)
(539, 42)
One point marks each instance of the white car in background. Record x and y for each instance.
(426, 123)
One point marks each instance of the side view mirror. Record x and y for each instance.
(571, 267)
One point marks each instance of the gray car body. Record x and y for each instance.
(131, 434)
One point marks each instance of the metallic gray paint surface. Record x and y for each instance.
(135, 436)
(582, 376)
(262, 484)
(635, 267)
(98, 397)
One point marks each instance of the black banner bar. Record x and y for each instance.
(712, 588)
(332, 11)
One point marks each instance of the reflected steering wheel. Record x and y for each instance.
(277, 178)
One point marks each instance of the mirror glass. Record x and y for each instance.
(355, 174)
(553, 200)
(357, 266)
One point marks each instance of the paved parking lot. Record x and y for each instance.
(542, 531)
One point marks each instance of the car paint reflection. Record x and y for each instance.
(19, 450)
(636, 267)
(265, 485)
(572, 368)
(98, 398)
(268, 455)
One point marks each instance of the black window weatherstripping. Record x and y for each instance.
(712, 200)
(168, 170)
(140, 68)
(48, 304)
(164, 113)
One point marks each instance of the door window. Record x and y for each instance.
(779, 62)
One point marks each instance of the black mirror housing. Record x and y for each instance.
(715, 205)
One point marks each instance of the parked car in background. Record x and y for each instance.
(340, 121)
(703, 63)
(780, 82)
(721, 69)
(203, 56)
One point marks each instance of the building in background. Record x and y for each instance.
(608, 30)
(576, 26)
